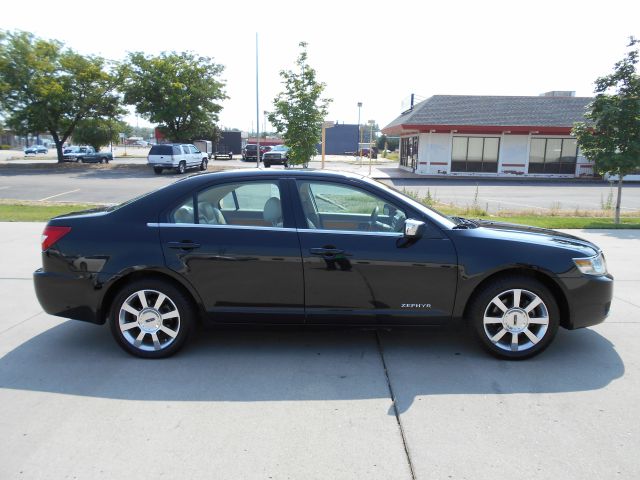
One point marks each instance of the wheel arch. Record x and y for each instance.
(545, 279)
(118, 284)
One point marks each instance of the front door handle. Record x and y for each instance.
(326, 252)
(184, 245)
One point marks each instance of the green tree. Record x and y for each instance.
(45, 87)
(611, 135)
(98, 132)
(178, 91)
(299, 110)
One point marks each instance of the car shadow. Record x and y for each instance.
(254, 364)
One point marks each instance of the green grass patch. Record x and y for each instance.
(568, 222)
(28, 212)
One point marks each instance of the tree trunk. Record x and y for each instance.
(59, 142)
(619, 199)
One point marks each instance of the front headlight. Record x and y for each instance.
(592, 265)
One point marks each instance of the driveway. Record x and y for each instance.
(289, 404)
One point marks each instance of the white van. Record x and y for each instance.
(176, 156)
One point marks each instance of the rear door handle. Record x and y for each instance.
(184, 245)
(327, 252)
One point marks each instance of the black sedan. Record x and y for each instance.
(310, 247)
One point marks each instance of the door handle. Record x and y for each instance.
(326, 252)
(184, 245)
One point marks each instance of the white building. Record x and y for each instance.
(492, 136)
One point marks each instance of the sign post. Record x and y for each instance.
(325, 125)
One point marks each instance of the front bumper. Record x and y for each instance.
(74, 297)
(589, 300)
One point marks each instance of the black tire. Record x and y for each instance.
(103, 160)
(157, 170)
(80, 160)
(182, 167)
(267, 165)
(230, 156)
(498, 322)
(175, 302)
(203, 164)
(286, 164)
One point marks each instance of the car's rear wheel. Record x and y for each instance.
(103, 160)
(157, 170)
(515, 317)
(203, 165)
(230, 156)
(182, 167)
(267, 165)
(80, 160)
(151, 318)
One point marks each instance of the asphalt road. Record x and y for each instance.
(120, 182)
(289, 404)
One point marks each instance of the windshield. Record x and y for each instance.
(279, 148)
(434, 214)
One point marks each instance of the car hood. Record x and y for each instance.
(538, 235)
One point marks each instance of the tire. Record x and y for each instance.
(230, 157)
(103, 160)
(514, 331)
(80, 160)
(157, 170)
(151, 332)
(286, 164)
(182, 167)
(203, 164)
(267, 165)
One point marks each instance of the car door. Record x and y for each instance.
(237, 245)
(358, 266)
(196, 155)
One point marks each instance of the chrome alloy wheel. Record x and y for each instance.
(516, 320)
(149, 320)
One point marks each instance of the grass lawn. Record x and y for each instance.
(37, 212)
(27, 212)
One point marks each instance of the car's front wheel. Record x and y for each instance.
(151, 318)
(203, 165)
(515, 317)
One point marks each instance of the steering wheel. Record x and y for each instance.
(373, 220)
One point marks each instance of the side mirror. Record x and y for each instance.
(413, 228)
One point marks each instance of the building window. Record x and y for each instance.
(553, 155)
(409, 152)
(475, 154)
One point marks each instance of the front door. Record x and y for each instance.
(233, 243)
(358, 268)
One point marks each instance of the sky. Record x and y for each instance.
(373, 52)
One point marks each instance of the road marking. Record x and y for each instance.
(59, 195)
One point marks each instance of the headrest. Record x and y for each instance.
(272, 212)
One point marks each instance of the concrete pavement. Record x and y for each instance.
(315, 404)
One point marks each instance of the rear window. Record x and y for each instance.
(161, 150)
(250, 147)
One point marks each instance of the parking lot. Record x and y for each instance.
(339, 404)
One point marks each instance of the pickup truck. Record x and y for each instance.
(84, 154)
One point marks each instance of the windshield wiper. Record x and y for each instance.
(464, 223)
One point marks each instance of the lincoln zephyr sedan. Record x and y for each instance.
(291, 247)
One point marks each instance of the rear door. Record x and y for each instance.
(358, 266)
(237, 245)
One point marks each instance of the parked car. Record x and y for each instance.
(312, 247)
(250, 149)
(176, 156)
(94, 157)
(35, 149)
(73, 153)
(278, 155)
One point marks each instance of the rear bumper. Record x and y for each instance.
(74, 297)
(589, 300)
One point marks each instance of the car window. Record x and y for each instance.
(185, 149)
(176, 150)
(161, 150)
(333, 206)
(247, 203)
(183, 213)
(193, 149)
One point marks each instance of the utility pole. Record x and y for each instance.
(257, 110)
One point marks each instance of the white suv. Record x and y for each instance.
(176, 156)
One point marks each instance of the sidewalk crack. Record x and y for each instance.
(395, 407)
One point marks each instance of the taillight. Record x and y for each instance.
(51, 235)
